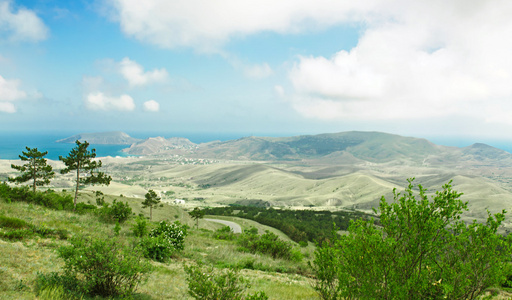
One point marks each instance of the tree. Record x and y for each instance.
(81, 160)
(196, 214)
(151, 201)
(35, 169)
(420, 250)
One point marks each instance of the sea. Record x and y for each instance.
(13, 143)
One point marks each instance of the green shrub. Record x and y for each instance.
(224, 233)
(117, 212)
(140, 227)
(17, 234)
(103, 267)
(164, 240)
(270, 244)
(13, 223)
(48, 198)
(206, 284)
(420, 250)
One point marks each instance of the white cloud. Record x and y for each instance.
(135, 75)
(23, 25)
(207, 25)
(416, 59)
(152, 106)
(10, 91)
(258, 71)
(99, 101)
(7, 107)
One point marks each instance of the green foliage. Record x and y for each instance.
(140, 227)
(82, 161)
(17, 229)
(100, 198)
(206, 284)
(103, 267)
(164, 240)
(422, 250)
(270, 244)
(151, 200)
(196, 214)
(224, 233)
(48, 198)
(299, 225)
(13, 223)
(117, 212)
(36, 168)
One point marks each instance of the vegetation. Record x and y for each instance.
(98, 267)
(421, 250)
(36, 168)
(48, 198)
(196, 214)
(269, 244)
(81, 160)
(151, 200)
(117, 212)
(299, 225)
(164, 240)
(206, 284)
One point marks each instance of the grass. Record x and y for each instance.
(21, 261)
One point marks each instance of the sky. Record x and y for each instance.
(418, 68)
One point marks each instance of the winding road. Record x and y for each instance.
(234, 226)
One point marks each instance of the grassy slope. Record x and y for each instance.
(20, 261)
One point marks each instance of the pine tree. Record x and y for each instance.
(35, 169)
(81, 160)
(197, 214)
(151, 201)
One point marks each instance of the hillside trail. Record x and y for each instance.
(234, 226)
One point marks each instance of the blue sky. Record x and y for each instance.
(419, 68)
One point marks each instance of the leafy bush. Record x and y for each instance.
(206, 284)
(83, 208)
(103, 267)
(224, 233)
(13, 223)
(17, 234)
(164, 240)
(117, 212)
(140, 227)
(421, 250)
(270, 244)
(48, 199)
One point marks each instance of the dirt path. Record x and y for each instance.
(234, 226)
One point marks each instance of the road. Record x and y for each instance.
(234, 226)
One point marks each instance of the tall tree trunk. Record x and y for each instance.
(151, 213)
(34, 173)
(77, 184)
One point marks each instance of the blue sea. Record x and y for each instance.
(12, 143)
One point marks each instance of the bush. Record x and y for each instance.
(206, 284)
(270, 244)
(13, 223)
(164, 240)
(224, 233)
(421, 250)
(48, 199)
(140, 227)
(103, 267)
(117, 212)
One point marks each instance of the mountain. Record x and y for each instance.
(160, 145)
(344, 148)
(105, 138)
